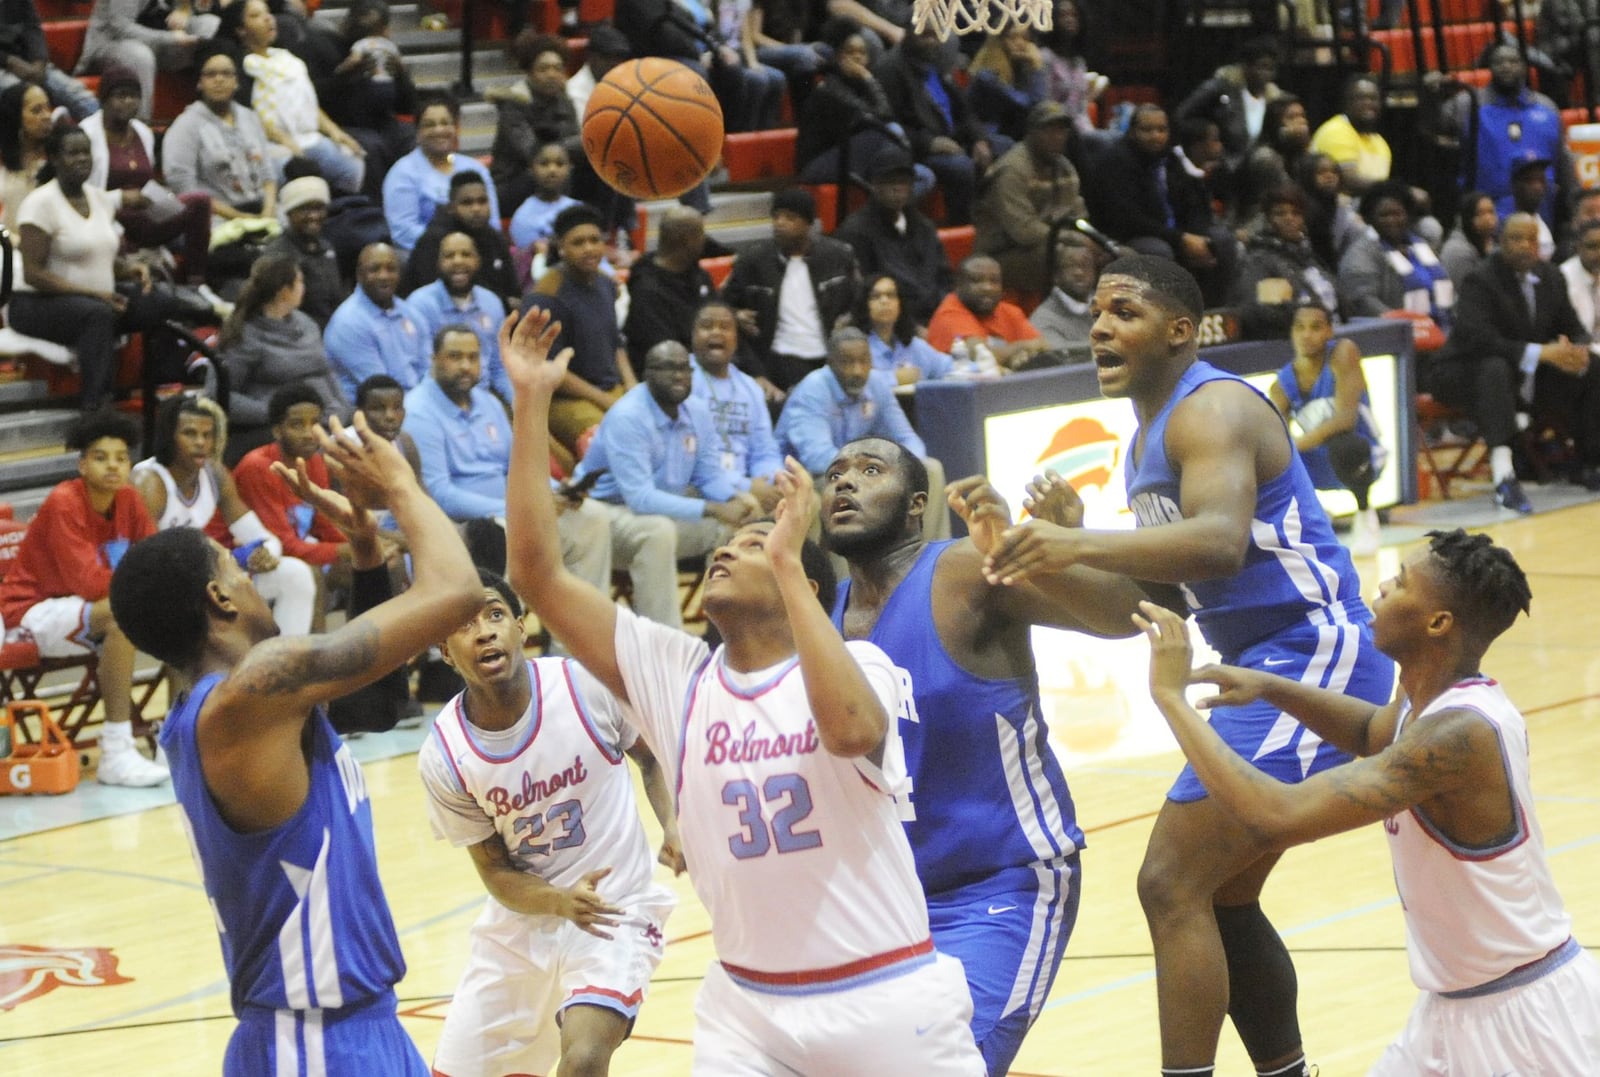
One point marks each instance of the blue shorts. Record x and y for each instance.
(1010, 938)
(356, 1041)
(1338, 657)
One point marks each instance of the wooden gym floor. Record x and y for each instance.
(155, 1000)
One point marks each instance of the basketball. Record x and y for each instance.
(653, 128)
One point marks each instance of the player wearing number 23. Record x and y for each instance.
(525, 768)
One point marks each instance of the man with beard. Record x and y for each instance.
(1512, 124)
(658, 454)
(976, 314)
(1352, 139)
(467, 211)
(994, 834)
(375, 331)
(1063, 318)
(1225, 508)
(454, 299)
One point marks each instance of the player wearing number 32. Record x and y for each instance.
(782, 747)
(525, 767)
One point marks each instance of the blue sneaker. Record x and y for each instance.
(1508, 495)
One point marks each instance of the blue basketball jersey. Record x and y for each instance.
(987, 791)
(1318, 464)
(1294, 572)
(300, 909)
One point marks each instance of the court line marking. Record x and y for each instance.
(1290, 932)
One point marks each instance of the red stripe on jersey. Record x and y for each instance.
(627, 1000)
(837, 972)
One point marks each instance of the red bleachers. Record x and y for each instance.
(759, 155)
(957, 242)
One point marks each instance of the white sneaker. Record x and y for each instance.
(1366, 534)
(123, 765)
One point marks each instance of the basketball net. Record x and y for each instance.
(946, 17)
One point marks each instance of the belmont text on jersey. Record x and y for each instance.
(749, 747)
(536, 789)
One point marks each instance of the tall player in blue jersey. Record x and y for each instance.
(995, 836)
(273, 802)
(1226, 509)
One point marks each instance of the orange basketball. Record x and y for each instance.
(653, 128)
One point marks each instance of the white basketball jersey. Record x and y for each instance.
(1473, 915)
(799, 856)
(555, 786)
(180, 512)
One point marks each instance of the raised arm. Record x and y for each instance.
(251, 728)
(1077, 598)
(281, 679)
(582, 618)
(1217, 440)
(851, 720)
(1451, 752)
(1349, 724)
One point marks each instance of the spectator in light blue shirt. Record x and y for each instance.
(419, 182)
(746, 450)
(374, 331)
(464, 440)
(657, 448)
(454, 299)
(892, 333)
(532, 223)
(846, 400)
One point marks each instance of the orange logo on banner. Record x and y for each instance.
(26, 972)
(1084, 453)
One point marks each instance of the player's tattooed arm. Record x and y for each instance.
(291, 665)
(1440, 755)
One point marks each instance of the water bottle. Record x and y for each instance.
(985, 360)
(961, 360)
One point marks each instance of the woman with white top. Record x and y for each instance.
(70, 267)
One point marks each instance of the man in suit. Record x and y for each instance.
(1518, 345)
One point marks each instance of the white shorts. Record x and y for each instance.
(522, 971)
(913, 1025)
(60, 627)
(1548, 1027)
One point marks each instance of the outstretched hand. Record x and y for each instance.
(1053, 499)
(981, 507)
(1235, 686)
(1031, 548)
(525, 343)
(1171, 656)
(797, 506)
(586, 908)
(368, 468)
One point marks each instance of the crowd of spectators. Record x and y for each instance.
(365, 256)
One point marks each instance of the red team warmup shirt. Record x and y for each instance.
(282, 512)
(70, 549)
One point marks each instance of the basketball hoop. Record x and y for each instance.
(946, 17)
